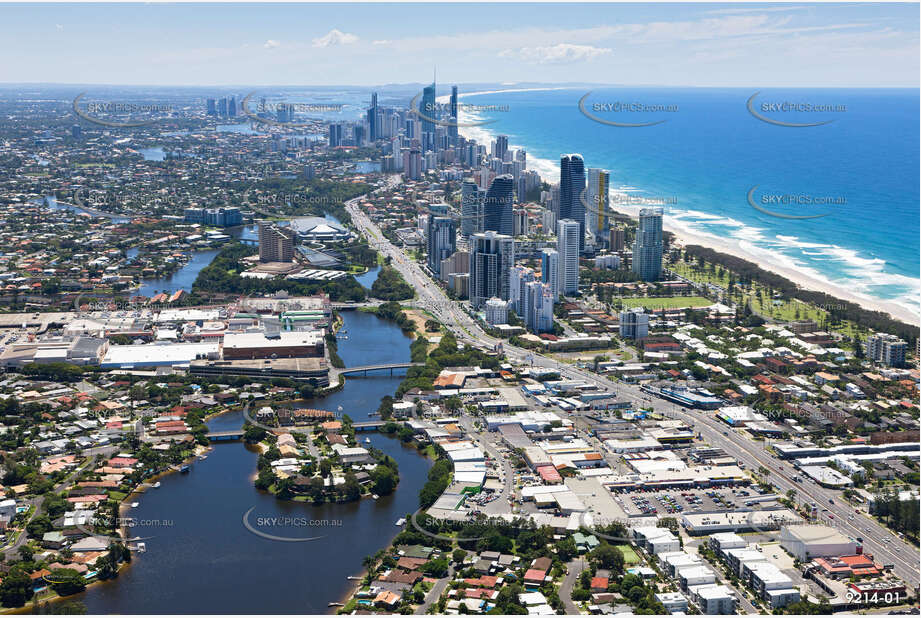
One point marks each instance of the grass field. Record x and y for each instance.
(665, 302)
(630, 556)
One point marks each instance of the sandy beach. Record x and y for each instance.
(767, 260)
(801, 279)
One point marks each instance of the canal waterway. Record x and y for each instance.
(201, 558)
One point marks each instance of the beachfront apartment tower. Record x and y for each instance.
(427, 114)
(572, 192)
(497, 205)
(491, 258)
(568, 233)
(452, 106)
(471, 208)
(596, 194)
(647, 247)
(886, 349)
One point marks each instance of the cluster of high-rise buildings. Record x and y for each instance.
(220, 217)
(225, 107)
(492, 215)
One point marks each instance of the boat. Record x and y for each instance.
(184, 469)
(156, 485)
(335, 605)
(375, 496)
(134, 505)
(142, 547)
(367, 440)
(401, 521)
(202, 458)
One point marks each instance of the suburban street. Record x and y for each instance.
(882, 543)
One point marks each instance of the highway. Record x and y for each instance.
(879, 541)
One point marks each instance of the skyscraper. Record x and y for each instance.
(596, 194)
(211, 107)
(491, 258)
(537, 306)
(335, 135)
(440, 242)
(497, 205)
(471, 208)
(617, 239)
(427, 115)
(276, 244)
(550, 270)
(647, 247)
(452, 128)
(232, 107)
(373, 130)
(567, 245)
(572, 184)
(519, 276)
(634, 323)
(501, 147)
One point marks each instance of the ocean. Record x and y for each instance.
(709, 159)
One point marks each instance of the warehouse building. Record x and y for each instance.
(807, 542)
(281, 345)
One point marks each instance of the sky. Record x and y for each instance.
(759, 45)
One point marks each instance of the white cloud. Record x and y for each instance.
(59, 27)
(271, 44)
(382, 42)
(556, 54)
(334, 37)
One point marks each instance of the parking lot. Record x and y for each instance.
(675, 502)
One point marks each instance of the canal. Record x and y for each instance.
(200, 557)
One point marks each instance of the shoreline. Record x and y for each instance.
(801, 279)
(816, 282)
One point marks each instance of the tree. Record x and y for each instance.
(16, 588)
(608, 557)
(384, 480)
(436, 568)
(66, 582)
(566, 549)
(458, 555)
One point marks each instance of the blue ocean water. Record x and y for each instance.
(710, 152)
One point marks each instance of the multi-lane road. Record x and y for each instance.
(883, 544)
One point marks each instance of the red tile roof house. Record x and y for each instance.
(122, 462)
(535, 577)
(599, 584)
